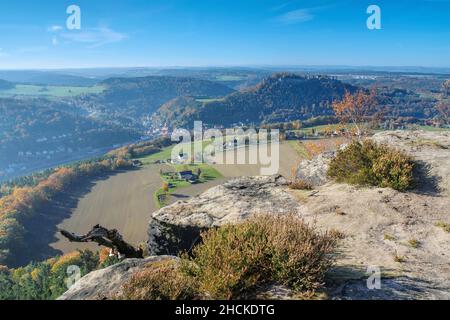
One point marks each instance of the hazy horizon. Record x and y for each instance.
(268, 67)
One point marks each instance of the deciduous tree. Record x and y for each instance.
(358, 109)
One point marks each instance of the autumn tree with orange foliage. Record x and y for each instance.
(359, 109)
(313, 149)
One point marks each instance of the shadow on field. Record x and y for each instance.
(42, 227)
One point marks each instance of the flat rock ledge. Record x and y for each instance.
(177, 227)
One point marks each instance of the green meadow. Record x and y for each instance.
(208, 173)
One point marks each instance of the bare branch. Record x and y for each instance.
(107, 238)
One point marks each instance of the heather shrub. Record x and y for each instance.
(299, 256)
(230, 260)
(395, 170)
(367, 163)
(159, 281)
(235, 258)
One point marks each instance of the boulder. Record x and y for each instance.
(177, 227)
(106, 283)
(314, 171)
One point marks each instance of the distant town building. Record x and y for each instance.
(188, 176)
(165, 131)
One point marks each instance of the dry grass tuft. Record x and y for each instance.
(300, 184)
(444, 226)
(414, 243)
(159, 281)
(400, 259)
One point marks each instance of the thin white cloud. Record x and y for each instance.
(295, 16)
(282, 6)
(55, 28)
(300, 15)
(92, 37)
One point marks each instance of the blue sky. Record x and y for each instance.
(223, 33)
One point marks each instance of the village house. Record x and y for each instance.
(188, 176)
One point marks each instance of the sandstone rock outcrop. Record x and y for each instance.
(314, 171)
(399, 234)
(178, 226)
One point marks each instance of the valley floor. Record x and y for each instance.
(126, 201)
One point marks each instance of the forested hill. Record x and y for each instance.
(5, 85)
(278, 98)
(137, 97)
(36, 131)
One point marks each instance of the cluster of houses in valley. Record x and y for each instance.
(28, 158)
(13, 168)
(185, 175)
(44, 153)
(189, 176)
(47, 151)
